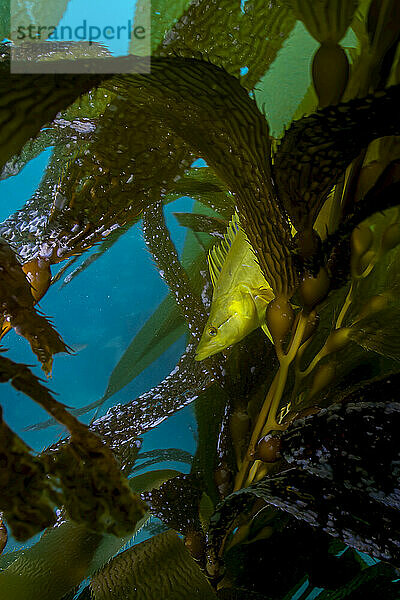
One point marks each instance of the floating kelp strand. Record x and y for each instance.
(158, 239)
(181, 387)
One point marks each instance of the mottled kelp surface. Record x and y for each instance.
(296, 472)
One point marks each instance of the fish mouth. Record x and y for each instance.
(201, 354)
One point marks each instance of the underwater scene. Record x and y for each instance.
(200, 300)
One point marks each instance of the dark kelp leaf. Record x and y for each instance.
(317, 149)
(351, 516)
(26, 495)
(365, 433)
(85, 469)
(377, 580)
(130, 575)
(67, 554)
(214, 115)
(176, 503)
(18, 310)
(30, 101)
(202, 223)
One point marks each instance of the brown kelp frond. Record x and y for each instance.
(317, 149)
(178, 575)
(84, 473)
(31, 100)
(18, 310)
(60, 131)
(209, 29)
(176, 503)
(214, 115)
(28, 508)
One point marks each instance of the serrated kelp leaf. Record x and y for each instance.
(202, 223)
(152, 457)
(19, 311)
(183, 385)
(60, 131)
(203, 185)
(130, 575)
(161, 246)
(315, 151)
(214, 114)
(326, 20)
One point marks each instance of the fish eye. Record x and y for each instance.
(212, 331)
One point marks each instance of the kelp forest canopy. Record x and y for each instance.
(287, 292)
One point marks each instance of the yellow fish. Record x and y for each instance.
(241, 293)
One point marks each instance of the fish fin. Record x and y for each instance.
(265, 329)
(219, 252)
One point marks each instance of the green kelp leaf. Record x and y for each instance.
(203, 185)
(200, 97)
(183, 385)
(163, 17)
(67, 554)
(379, 332)
(60, 131)
(40, 13)
(219, 31)
(325, 19)
(202, 223)
(152, 457)
(19, 313)
(130, 575)
(161, 246)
